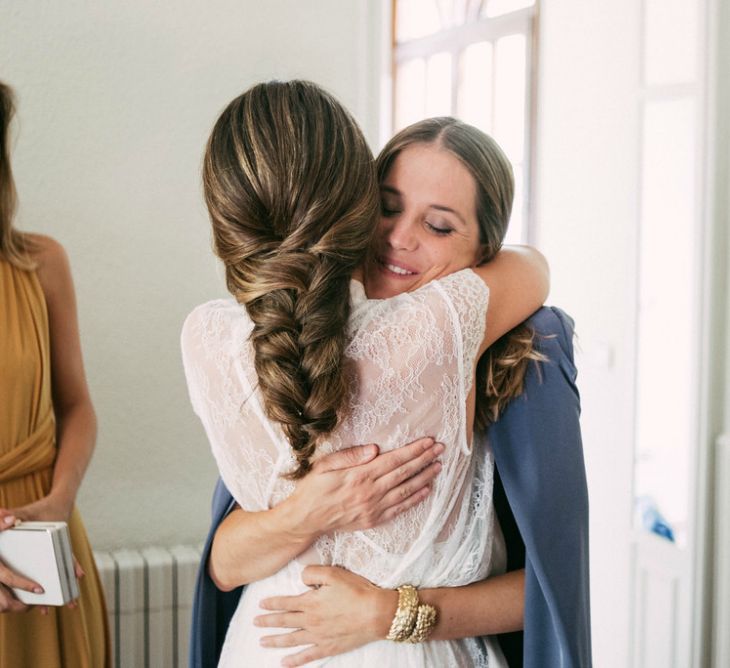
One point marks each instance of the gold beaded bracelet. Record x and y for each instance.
(412, 622)
(425, 621)
(405, 616)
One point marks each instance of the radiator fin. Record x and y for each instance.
(149, 595)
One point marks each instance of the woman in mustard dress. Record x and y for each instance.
(47, 435)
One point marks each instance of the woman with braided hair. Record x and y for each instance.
(302, 364)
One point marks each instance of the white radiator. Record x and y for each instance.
(149, 597)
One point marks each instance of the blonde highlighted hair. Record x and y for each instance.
(14, 245)
(290, 186)
(501, 370)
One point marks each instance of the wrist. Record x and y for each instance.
(60, 504)
(414, 620)
(385, 606)
(292, 521)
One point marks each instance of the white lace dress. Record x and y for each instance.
(413, 360)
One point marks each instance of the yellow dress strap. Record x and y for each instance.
(35, 453)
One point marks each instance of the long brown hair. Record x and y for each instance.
(501, 370)
(290, 185)
(14, 245)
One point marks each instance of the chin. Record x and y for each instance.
(381, 290)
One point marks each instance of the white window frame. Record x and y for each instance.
(453, 40)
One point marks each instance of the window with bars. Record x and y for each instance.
(472, 59)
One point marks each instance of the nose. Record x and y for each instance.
(400, 233)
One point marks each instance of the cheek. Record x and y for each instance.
(453, 252)
(382, 229)
(476, 254)
(472, 251)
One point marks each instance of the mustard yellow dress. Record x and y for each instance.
(65, 638)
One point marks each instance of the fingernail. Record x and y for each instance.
(9, 519)
(438, 466)
(438, 448)
(38, 590)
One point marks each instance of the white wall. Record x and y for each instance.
(115, 103)
(587, 221)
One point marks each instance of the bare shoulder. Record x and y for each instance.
(53, 269)
(46, 250)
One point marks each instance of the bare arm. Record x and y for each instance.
(519, 282)
(494, 605)
(272, 539)
(346, 611)
(75, 417)
(346, 490)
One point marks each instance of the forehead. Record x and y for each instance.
(430, 171)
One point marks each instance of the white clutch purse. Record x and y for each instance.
(41, 551)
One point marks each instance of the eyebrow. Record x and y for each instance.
(439, 207)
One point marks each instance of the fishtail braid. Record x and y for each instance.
(291, 190)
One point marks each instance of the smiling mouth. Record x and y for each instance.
(395, 269)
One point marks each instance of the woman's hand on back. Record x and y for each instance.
(348, 490)
(323, 618)
(356, 489)
(343, 611)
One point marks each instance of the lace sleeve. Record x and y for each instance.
(214, 344)
(468, 298)
(191, 346)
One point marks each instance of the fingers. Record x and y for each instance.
(411, 467)
(316, 576)
(345, 459)
(7, 519)
(281, 620)
(305, 656)
(390, 461)
(15, 581)
(292, 639)
(284, 602)
(412, 485)
(408, 502)
(78, 570)
(8, 602)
